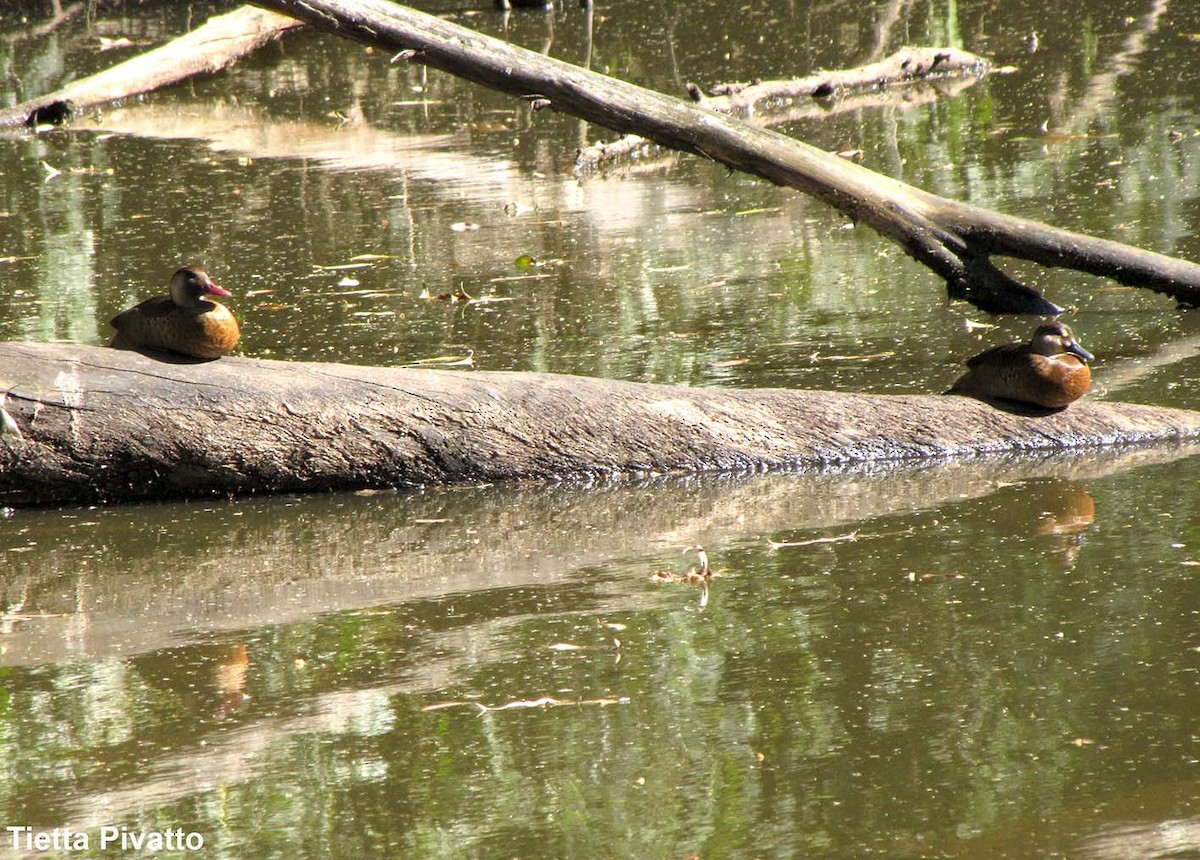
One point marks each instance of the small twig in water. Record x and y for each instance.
(543, 702)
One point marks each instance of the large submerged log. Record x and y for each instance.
(94, 424)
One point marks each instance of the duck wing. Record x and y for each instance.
(997, 354)
(155, 308)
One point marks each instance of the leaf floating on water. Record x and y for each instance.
(1083, 742)
(733, 362)
(565, 646)
(973, 325)
(254, 293)
(464, 226)
(467, 360)
(524, 262)
(763, 210)
(371, 258)
(348, 282)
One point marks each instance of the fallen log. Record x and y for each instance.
(904, 66)
(90, 424)
(956, 240)
(209, 48)
(823, 93)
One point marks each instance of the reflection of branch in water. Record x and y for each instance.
(887, 21)
(1103, 87)
(60, 16)
(1122, 374)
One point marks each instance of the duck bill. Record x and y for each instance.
(1076, 349)
(213, 289)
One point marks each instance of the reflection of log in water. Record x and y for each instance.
(247, 130)
(94, 424)
(335, 554)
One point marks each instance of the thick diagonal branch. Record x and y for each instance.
(954, 239)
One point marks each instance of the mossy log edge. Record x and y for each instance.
(100, 425)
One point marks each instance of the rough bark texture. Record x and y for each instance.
(96, 424)
(955, 240)
(219, 42)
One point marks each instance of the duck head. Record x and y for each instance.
(190, 284)
(1056, 339)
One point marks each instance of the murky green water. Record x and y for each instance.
(967, 660)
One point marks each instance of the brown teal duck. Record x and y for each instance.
(185, 321)
(1050, 371)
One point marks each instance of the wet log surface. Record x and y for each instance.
(94, 424)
